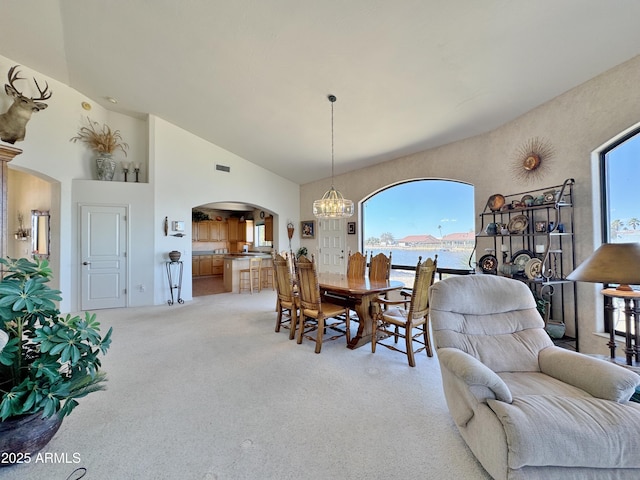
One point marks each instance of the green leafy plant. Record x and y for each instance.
(301, 251)
(49, 361)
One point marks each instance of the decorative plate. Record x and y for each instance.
(488, 264)
(533, 268)
(521, 257)
(518, 224)
(495, 202)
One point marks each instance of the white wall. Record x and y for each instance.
(177, 174)
(575, 123)
(184, 176)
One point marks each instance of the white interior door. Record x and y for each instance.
(103, 256)
(331, 254)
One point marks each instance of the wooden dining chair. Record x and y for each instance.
(356, 265)
(392, 320)
(380, 266)
(314, 312)
(287, 302)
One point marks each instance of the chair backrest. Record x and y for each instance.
(282, 277)
(491, 318)
(308, 286)
(380, 267)
(356, 265)
(425, 273)
(255, 262)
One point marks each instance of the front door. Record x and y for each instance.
(103, 256)
(331, 250)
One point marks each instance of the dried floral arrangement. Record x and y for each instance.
(101, 139)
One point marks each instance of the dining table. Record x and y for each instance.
(357, 294)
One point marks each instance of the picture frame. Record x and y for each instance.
(351, 228)
(178, 226)
(308, 229)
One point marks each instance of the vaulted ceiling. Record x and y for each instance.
(252, 76)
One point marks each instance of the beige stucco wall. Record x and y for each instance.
(576, 123)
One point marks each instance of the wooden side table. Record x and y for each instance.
(632, 313)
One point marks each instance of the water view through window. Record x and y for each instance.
(421, 218)
(621, 169)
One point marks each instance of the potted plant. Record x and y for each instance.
(47, 361)
(104, 141)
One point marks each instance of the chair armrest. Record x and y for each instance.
(4, 339)
(597, 377)
(474, 373)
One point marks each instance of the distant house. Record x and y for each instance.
(418, 241)
(466, 239)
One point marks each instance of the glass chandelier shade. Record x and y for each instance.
(332, 204)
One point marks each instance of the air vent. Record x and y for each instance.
(223, 168)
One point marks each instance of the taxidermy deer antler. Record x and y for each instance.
(13, 122)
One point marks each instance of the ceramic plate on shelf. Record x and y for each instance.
(495, 202)
(521, 257)
(533, 268)
(488, 264)
(518, 224)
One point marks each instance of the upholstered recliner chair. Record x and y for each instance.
(526, 408)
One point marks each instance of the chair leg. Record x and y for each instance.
(319, 334)
(427, 338)
(409, 344)
(348, 327)
(301, 327)
(294, 322)
(279, 319)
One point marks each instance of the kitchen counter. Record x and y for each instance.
(234, 262)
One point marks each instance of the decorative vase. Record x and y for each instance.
(26, 434)
(106, 166)
(174, 255)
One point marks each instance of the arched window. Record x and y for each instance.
(421, 217)
(619, 173)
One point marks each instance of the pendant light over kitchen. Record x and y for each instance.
(332, 204)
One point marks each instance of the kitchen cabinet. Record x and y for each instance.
(217, 231)
(246, 231)
(217, 264)
(202, 231)
(206, 265)
(268, 228)
(233, 231)
(195, 266)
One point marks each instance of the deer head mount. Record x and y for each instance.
(13, 122)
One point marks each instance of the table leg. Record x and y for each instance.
(636, 332)
(365, 324)
(629, 349)
(609, 309)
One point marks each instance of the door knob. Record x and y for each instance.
(86, 263)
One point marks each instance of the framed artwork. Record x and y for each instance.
(308, 228)
(351, 228)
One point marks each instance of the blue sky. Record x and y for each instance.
(623, 174)
(416, 208)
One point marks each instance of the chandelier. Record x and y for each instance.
(332, 204)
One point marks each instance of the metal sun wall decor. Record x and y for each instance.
(532, 159)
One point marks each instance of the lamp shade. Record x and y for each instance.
(611, 263)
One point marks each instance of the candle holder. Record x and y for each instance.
(137, 172)
(125, 170)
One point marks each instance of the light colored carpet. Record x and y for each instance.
(207, 390)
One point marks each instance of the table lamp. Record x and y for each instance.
(616, 263)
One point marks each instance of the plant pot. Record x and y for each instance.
(174, 255)
(26, 434)
(106, 166)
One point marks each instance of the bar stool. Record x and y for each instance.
(251, 277)
(267, 277)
